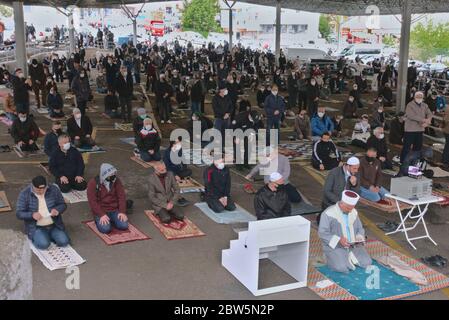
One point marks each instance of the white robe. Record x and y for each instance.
(332, 228)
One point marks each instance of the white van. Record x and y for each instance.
(364, 51)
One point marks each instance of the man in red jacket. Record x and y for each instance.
(107, 200)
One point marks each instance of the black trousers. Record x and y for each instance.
(166, 216)
(184, 173)
(293, 194)
(126, 106)
(65, 188)
(411, 138)
(217, 207)
(329, 164)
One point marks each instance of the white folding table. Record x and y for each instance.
(421, 205)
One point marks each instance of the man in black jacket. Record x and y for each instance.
(67, 166)
(163, 93)
(36, 73)
(325, 154)
(222, 106)
(218, 187)
(272, 200)
(293, 89)
(378, 142)
(111, 104)
(25, 132)
(21, 88)
(79, 128)
(397, 129)
(124, 86)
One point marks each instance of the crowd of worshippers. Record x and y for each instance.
(186, 75)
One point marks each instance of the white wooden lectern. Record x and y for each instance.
(285, 241)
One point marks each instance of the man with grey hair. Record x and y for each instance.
(378, 142)
(138, 121)
(417, 118)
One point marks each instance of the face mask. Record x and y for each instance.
(220, 166)
(143, 116)
(111, 178)
(313, 83)
(275, 93)
(66, 146)
(380, 111)
(52, 92)
(320, 114)
(21, 75)
(370, 159)
(77, 116)
(148, 127)
(23, 119)
(225, 92)
(419, 101)
(82, 75)
(381, 136)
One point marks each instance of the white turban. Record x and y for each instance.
(350, 197)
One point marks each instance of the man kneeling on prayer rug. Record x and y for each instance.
(342, 235)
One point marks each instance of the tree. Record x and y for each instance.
(5, 11)
(428, 41)
(389, 41)
(199, 16)
(324, 27)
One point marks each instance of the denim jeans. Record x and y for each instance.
(113, 222)
(43, 236)
(373, 196)
(196, 106)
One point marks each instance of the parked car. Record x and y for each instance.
(45, 36)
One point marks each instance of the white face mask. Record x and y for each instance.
(220, 166)
(275, 93)
(66, 146)
(320, 114)
(380, 111)
(82, 75)
(21, 75)
(78, 116)
(381, 136)
(23, 119)
(225, 92)
(419, 101)
(148, 127)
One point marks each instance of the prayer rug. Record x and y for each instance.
(2, 177)
(376, 249)
(75, 196)
(323, 173)
(438, 172)
(128, 127)
(130, 141)
(91, 150)
(40, 110)
(304, 208)
(55, 257)
(175, 229)
(190, 185)
(104, 115)
(144, 164)
(118, 236)
(45, 166)
(240, 215)
(443, 194)
(4, 203)
(391, 208)
(65, 118)
(26, 154)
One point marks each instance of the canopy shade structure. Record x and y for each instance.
(340, 7)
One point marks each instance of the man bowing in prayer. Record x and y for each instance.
(343, 236)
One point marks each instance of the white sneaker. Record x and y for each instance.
(162, 121)
(168, 121)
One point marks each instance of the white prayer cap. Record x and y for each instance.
(353, 161)
(275, 176)
(350, 197)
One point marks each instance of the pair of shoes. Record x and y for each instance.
(435, 261)
(388, 226)
(182, 202)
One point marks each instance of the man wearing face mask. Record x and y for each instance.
(378, 142)
(67, 166)
(397, 129)
(379, 118)
(222, 106)
(38, 78)
(138, 121)
(81, 89)
(124, 86)
(25, 132)
(274, 106)
(361, 132)
(321, 123)
(21, 88)
(217, 181)
(111, 69)
(302, 126)
(350, 108)
(417, 118)
(342, 235)
(79, 128)
(271, 201)
(370, 178)
(356, 93)
(107, 200)
(102, 85)
(55, 104)
(164, 92)
(313, 96)
(163, 193)
(111, 105)
(148, 142)
(173, 159)
(51, 139)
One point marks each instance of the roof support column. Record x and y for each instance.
(230, 5)
(278, 31)
(72, 44)
(20, 46)
(135, 32)
(404, 55)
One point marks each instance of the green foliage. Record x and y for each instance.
(5, 11)
(428, 41)
(199, 16)
(324, 27)
(389, 41)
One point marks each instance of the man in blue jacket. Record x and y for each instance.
(40, 206)
(67, 165)
(274, 107)
(321, 123)
(51, 139)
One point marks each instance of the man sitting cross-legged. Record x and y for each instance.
(67, 165)
(107, 200)
(25, 132)
(342, 235)
(325, 154)
(79, 128)
(163, 192)
(272, 201)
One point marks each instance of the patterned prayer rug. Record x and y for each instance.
(391, 208)
(55, 257)
(75, 196)
(6, 207)
(240, 215)
(175, 229)
(144, 164)
(118, 236)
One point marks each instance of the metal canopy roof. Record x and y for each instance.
(341, 7)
